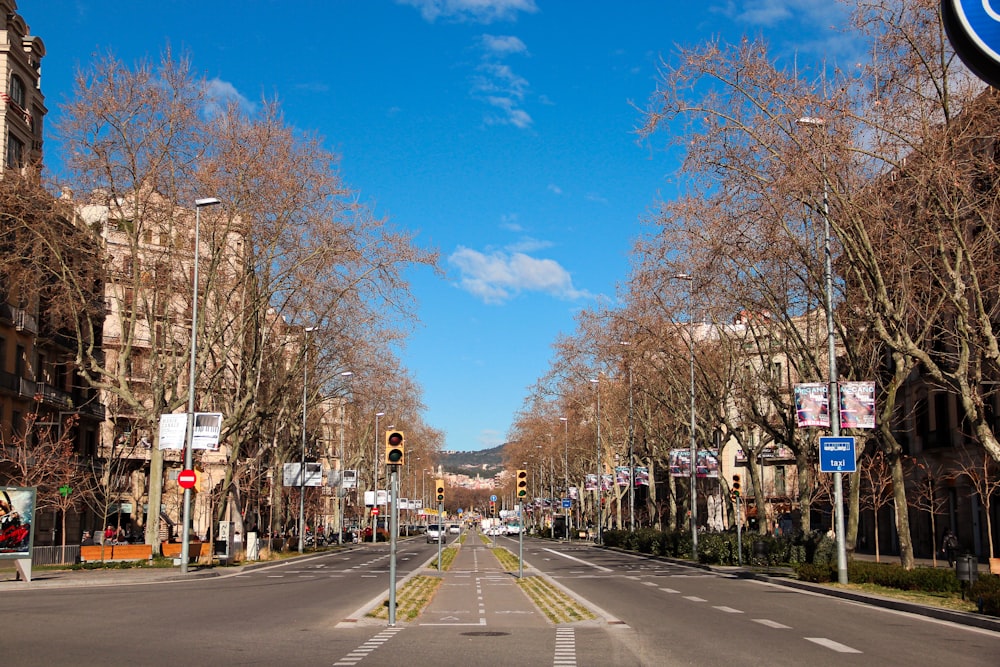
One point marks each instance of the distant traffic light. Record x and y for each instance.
(522, 484)
(736, 486)
(395, 447)
(440, 491)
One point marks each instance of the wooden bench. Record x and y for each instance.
(173, 549)
(110, 552)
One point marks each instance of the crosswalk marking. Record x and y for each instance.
(565, 653)
(362, 652)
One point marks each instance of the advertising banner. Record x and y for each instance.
(857, 405)
(17, 526)
(707, 466)
(812, 405)
(590, 482)
(622, 475)
(641, 476)
(173, 428)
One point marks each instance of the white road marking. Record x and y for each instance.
(771, 624)
(579, 560)
(832, 645)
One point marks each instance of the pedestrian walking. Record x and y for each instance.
(949, 547)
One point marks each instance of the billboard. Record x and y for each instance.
(708, 463)
(17, 526)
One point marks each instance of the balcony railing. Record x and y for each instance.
(53, 396)
(23, 321)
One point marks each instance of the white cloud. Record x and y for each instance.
(499, 276)
(554, 189)
(473, 11)
(503, 45)
(219, 93)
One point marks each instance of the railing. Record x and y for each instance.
(54, 555)
(9, 381)
(26, 388)
(24, 322)
(54, 396)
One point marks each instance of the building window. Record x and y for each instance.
(17, 90)
(779, 481)
(15, 152)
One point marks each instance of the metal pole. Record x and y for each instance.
(340, 490)
(694, 444)
(302, 458)
(600, 481)
(189, 441)
(393, 532)
(374, 517)
(569, 514)
(631, 457)
(834, 392)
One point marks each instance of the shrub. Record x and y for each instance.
(986, 592)
(816, 573)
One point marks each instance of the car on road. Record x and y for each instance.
(454, 529)
(434, 532)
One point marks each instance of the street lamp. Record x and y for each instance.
(341, 492)
(600, 481)
(693, 463)
(833, 392)
(189, 443)
(374, 521)
(569, 514)
(631, 447)
(302, 460)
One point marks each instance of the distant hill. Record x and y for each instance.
(485, 462)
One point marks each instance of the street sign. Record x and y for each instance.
(493, 499)
(973, 27)
(187, 479)
(374, 511)
(567, 503)
(837, 454)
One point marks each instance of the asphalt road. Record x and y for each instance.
(668, 614)
(308, 611)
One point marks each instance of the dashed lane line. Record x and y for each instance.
(832, 645)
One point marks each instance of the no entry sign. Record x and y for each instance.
(187, 479)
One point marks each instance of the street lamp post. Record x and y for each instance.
(302, 459)
(833, 392)
(341, 491)
(600, 481)
(189, 441)
(375, 479)
(693, 463)
(569, 514)
(631, 449)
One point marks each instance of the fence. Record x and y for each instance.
(54, 555)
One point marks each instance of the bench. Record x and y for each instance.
(112, 552)
(173, 549)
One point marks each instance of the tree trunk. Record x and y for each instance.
(853, 512)
(902, 511)
(154, 499)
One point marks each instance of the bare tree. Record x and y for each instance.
(925, 493)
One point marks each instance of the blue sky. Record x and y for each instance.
(501, 131)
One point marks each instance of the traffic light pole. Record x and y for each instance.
(440, 531)
(393, 533)
(520, 541)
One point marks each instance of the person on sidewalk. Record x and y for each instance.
(949, 547)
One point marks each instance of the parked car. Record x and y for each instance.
(434, 532)
(454, 529)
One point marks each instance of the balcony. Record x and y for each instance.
(9, 381)
(23, 321)
(52, 396)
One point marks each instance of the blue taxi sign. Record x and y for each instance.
(973, 28)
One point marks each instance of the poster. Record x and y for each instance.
(622, 475)
(642, 476)
(857, 405)
(707, 465)
(17, 512)
(812, 407)
(607, 481)
(590, 482)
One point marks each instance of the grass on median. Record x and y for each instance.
(447, 558)
(411, 599)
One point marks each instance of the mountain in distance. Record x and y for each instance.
(483, 463)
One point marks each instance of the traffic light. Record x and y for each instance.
(440, 490)
(395, 447)
(522, 484)
(736, 486)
